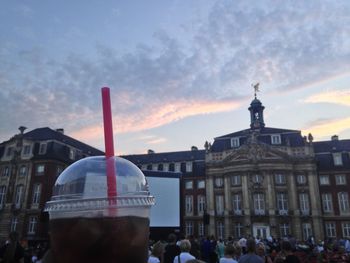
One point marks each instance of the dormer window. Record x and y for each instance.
(235, 142)
(275, 139)
(42, 148)
(337, 159)
(189, 167)
(71, 154)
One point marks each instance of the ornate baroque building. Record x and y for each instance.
(263, 181)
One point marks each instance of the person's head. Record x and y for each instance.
(238, 249)
(286, 246)
(260, 249)
(185, 245)
(13, 236)
(172, 238)
(251, 245)
(157, 249)
(230, 250)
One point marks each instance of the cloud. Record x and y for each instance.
(335, 96)
(282, 45)
(327, 127)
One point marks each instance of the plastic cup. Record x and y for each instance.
(87, 225)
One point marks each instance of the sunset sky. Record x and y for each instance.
(180, 72)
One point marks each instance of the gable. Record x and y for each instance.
(255, 152)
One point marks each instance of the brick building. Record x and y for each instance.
(29, 165)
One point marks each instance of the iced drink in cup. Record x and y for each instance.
(87, 225)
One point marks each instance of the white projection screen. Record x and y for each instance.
(166, 211)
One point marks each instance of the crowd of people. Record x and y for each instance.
(209, 250)
(248, 250)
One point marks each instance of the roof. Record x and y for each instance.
(292, 138)
(332, 146)
(181, 156)
(43, 134)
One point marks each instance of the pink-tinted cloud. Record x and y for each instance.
(327, 128)
(335, 96)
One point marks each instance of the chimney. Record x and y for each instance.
(60, 130)
(150, 151)
(335, 138)
(194, 148)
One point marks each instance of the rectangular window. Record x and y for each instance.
(201, 229)
(9, 151)
(219, 204)
(301, 179)
(2, 195)
(188, 184)
(343, 199)
(238, 230)
(200, 204)
(282, 203)
(337, 159)
(327, 203)
(6, 171)
(304, 203)
(346, 229)
(236, 180)
(284, 229)
(33, 221)
(23, 171)
(259, 204)
(189, 204)
(324, 180)
(280, 179)
(340, 179)
(166, 167)
(237, 204)
(330, 229)
(201, 184)
(40, 169)
(177, 167)
(36, 193)
(307, 230)
(14, 223)
(189, 228)
(235, 142)
(219, 182)
(42, 148)
(26, 150)
(71, 154)
(257, 178)
(275, 139)
(220, 230)
(59, 170)
(189, 167)
(19, 196)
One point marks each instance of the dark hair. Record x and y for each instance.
(230, 250)
(251, 245)
(286, 245)
(171, 238)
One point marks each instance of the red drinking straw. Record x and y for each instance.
(109, 146)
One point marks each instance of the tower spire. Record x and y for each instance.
(256, 111)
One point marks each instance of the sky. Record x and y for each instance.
(180, 72)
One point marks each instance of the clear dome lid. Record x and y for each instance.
(83, 186)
